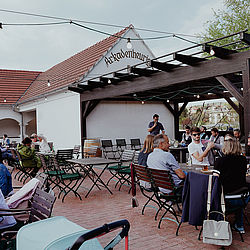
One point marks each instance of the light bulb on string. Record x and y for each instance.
(212, 52)
(48, 83)
(142, 102)
(109, 81)
(168, 100)
(45, 98)
(4, 100)
(198, 96)
(129, 44)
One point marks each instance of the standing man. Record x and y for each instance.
(197, 151)
(186, 137)
(155, 126)
(161, 159)
(218, 142)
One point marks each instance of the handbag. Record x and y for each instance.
(216, 232)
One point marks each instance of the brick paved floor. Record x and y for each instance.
(101, 207)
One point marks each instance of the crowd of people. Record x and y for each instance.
(27, 152)
(224, 153)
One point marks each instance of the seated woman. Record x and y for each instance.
(43, 144)
(6, 140)
(232, 169)
(28, 155)
(5, 179)
(143, 155)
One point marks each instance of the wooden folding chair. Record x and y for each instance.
(143, 178)
(67, 179)
(122, 170)
(40, 207)
(23, 173)
(163, 179)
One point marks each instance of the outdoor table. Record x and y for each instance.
(88, 164)
(180, 152)
(196, 168)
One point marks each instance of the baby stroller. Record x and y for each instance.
(60, 233)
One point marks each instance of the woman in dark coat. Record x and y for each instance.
(232, 169)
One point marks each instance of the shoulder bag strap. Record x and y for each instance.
(209, 190)
(209, 194)
(223, 207)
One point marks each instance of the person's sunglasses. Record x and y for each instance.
(196, 134)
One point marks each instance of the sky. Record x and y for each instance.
(41, 47)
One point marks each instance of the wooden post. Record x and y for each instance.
(86, 108)
(241, 119)
(246, 98)
(176, 121)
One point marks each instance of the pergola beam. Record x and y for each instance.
(189, 60)
(245, 37)
(231, 88)
(232, 104)
(142, 72)
(167, 67)
(204, 70)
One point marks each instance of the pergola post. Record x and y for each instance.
(176, 113)
(241, 119)
(246, 98)
(86, 108)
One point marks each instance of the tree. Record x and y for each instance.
(234, 18)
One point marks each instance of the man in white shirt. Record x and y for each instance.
(197, 151)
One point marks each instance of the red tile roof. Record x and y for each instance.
(14, 83)
(70, 70)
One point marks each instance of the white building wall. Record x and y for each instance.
(58, 119)
(114, 120)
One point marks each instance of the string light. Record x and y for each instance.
(4, 100)
(48, 83)
(198, 96)
(129, 44)
(212, 52)
(109, 81)
(168, 100)
(45, 98)
(95, 23)
(142, 102)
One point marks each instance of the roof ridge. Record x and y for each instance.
(81, 62)
(90, 47)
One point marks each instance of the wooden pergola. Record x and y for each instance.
(203, 70)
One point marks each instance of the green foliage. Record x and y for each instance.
(234, 18)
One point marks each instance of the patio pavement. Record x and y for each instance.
(101, 207)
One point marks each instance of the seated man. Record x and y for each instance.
(238, 136)
(161, 159)
(197, 151)
(28, 155)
